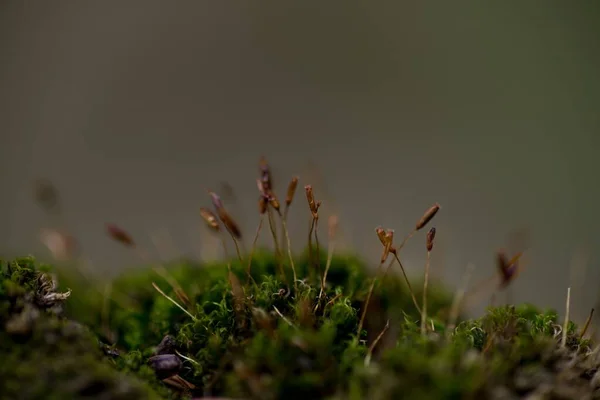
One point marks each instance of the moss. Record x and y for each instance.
(45, 355)
(265, 340)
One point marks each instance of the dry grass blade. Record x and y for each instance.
(155, 286)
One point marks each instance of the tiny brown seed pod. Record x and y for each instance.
(430, 238)
(266, 174)
(386, 250)
(291, 190)
(380, 234)
(119, 235)
(210, 218)
(310, 198)
(230, 224)
(273, 201)
(428, 216)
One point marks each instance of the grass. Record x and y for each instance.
(267, 327)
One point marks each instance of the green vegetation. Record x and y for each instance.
(268, 342)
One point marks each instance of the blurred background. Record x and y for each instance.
(134, 109)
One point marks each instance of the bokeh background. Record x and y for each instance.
(134, 109)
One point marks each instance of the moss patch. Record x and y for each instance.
(262, 339)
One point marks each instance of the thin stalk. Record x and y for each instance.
(425, 283)
(375, 342)
(289, 247)
(366, 306)
(563, 342)
(276, 243)
(331, 246)
(260, 223)
(412, 294)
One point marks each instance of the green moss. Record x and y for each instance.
(265, 340)
(45, 355)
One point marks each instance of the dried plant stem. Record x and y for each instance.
(424, 304)
(587, 324)
(566, 324)
(375, 342)
(368, 300)
(260, 223)
(412, 294)
(172, 301)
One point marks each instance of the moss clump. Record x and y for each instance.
(264, 340)
(45, 355)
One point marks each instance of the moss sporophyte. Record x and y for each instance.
(264, 324)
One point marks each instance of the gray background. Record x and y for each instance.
(134, 109)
